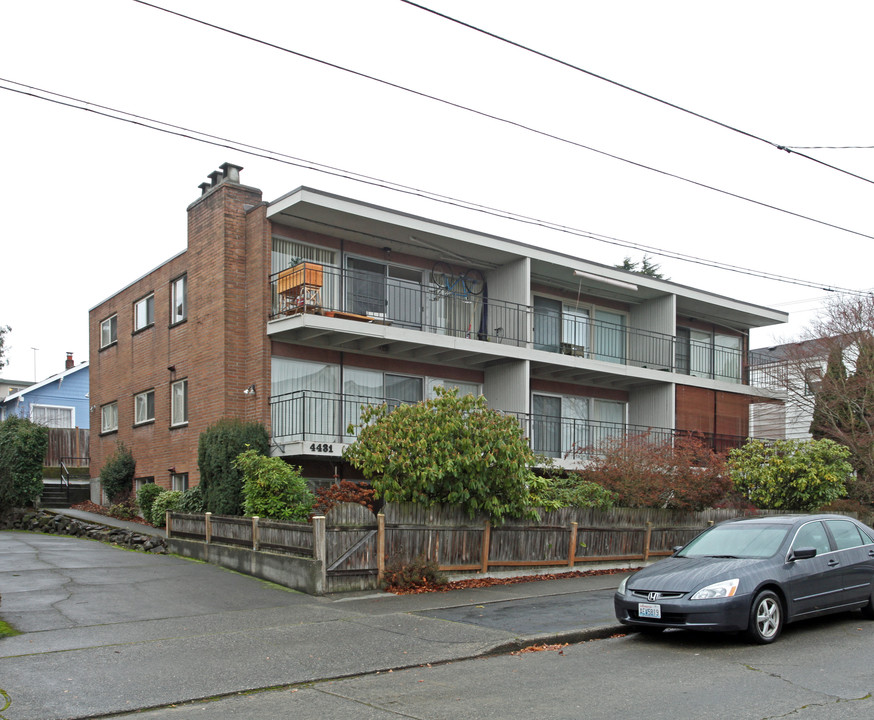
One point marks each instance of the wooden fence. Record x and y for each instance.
(67, 443)
(355, 545)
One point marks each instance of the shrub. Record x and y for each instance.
(791, 474)
(685, 475)
(221, 482)
(117, 473)
(418, 573)
(22, 451)
(450, 449)
(167, 500)
(146, 497)
(573, 491)
(192, 500)
(360, 493)
(272, 488)
(125, 509)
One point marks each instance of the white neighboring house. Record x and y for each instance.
(798, 367)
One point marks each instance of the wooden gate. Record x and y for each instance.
(351, 556)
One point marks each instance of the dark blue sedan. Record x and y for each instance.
(754, 576)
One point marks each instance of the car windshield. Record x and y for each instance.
(736, 540)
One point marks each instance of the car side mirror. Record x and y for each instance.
(802, 553)
(677, 548)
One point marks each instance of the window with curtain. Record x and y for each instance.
(52, 416)
(727, 350)
(608, 421)
(546, 425)
(304, 397)
(179, 403)
(575, 330)
(547, 324)
(610, 336)
(286, 253)
(464, 388)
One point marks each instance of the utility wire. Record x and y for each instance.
(565, 63)
(217, 141)
(506, 121)
(830, 147)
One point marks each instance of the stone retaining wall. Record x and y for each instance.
(46, 521)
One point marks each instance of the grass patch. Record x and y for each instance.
(6, 630)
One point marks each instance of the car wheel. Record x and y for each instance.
(868, 610)
(766, 618)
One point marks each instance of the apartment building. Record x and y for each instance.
(297, 312)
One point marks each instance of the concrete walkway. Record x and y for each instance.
(105, 630)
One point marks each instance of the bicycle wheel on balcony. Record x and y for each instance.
(442, 275)
(474, 282)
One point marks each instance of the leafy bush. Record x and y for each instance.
(192, 500)
(167, 500)
(419, 573)
(22, 451)
(449, 449)
(573, 491)
(791, 474)
(347, 491)
(117, 473)
(125, 509)
(221, 482)
(687, 475)
(272, 488)
(146, 497)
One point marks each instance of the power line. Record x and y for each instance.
(264, 153)
(565, 63)
(830, 147)
(506, 121)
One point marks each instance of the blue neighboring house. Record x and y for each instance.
(59, 401)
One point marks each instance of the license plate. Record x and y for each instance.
(646, 610)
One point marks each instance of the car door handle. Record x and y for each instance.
(833, 563)
(871, 553)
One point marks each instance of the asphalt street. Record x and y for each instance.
(107, 631)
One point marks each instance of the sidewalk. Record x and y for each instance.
(108, 631)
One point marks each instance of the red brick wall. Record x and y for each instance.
(220, 348)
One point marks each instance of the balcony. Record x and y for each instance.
(404, 301)
(315, 423)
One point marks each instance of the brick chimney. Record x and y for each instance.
(69, 363)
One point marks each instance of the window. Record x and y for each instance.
(179, 300)
(109, 417)
(144, 407)
(142, 481)
(846, 534)
(179, 481)
(108, 331)
(179, 403)
(144, 312)
(53, 416)
(812, 535)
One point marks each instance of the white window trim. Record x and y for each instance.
(173, 422)
(148, 323)
(176, 317)
(72, 410)
(102, 411)
(103, 322)
(146, 420)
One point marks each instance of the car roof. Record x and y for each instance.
(786, 519)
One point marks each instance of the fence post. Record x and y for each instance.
(319, 551)
(380, 547)
(646, 540)
(487, 539)
(168, 522)
(256, 533)
(207, 530)
(572, 552)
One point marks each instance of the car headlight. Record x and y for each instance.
(621, 588)
(724, 589)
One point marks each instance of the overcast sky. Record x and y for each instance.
(90, 203)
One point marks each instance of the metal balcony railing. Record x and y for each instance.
(311, 416)
(380, 298)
